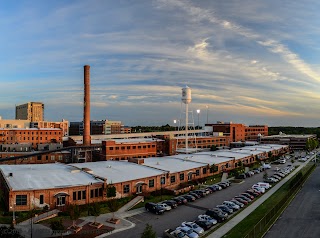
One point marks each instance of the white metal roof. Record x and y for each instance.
(203, 158)
(45, 176)
(119, 171)
(171, 164)
(225, 153)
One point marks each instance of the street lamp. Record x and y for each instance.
(207, 112)
(175, 122)
(198, 112)
(13, 214)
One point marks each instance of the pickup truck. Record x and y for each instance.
(169, 233)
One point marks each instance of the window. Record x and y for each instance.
(126, 188)
(117, 148)
(123, 148)
(74, 196)
(128, 147)
(151, 183)
(134, 147)
(79, 195)
(110, 148)
(21, 200)
(139, 147)
(181, 177)
(41, 199)
(84, 194)
(204, 170)
(91, 193)
(60, 157)
(163, 180)
(52, 157)
(144, 147)
(173, 179)
(197, 172)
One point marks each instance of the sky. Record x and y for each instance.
(248, 61)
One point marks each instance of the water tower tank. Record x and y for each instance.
(186, 95)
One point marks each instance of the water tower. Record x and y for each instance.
(186, 99)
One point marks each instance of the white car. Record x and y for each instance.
(276, 168)
(264, 185)
(231, 205)
(193, 226)
(258, 188)
(188, 231)
(207, 218)
(164, 206)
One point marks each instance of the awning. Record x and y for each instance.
(61, 194)
(140, 183)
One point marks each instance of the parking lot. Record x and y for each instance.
(190, 211)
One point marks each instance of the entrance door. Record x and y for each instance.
(61, 200)
(139, 188)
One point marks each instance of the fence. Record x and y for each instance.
(262, 225)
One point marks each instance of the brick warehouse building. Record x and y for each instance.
(34, 136)
(240, 132)
(57, 185)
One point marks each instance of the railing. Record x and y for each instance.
(262, 225)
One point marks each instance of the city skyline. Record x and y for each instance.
(251, 62)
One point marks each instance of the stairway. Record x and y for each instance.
(131, 204)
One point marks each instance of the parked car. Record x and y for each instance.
(256, 171)
(242, 200)
(169, 233)
(188, 231)
(153, 207)
(225, 208)
(207, 218)
(193, 226)
(201, 193)
(253, 193)
(208, 190)
(231, 205)
(264, 185)
(248, 195)
(164, 206)
(217, 187)
(223, 185)
(206, 225)
(180, 200)
(171, 203)
(248, 174)
(240, 204)
(241, 176)
(266, 166)
(217, 214)
(276, 169)
(195, 195)
(189, 197)
(258, 187)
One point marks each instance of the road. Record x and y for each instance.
(301, 218)
(175, 217)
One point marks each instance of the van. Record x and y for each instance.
(264, 185)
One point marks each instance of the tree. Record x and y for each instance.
(113, 206)
(265, 175)
(57, 226)
(111, 191)
(148, 232)
(74, 213)
(95, 210)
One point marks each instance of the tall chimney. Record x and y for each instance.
(86, 107)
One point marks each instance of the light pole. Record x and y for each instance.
(207, 112)
(13, 214)
(175, 122)
(198, 112)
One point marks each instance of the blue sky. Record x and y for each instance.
(250, 61)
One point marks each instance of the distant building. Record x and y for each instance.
(102, 127)
(240, 132)
(8, 124)
(63, 125)
(33, 135)
(126, 130)
(32, 111)
(295, 142)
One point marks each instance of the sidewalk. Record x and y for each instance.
(41, 231)
(223, 230)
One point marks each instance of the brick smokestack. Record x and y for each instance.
(86, 106)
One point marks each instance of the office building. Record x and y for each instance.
(32, 111)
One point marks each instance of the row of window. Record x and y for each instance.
(28, 138)
(30, 133)
(131, 147)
